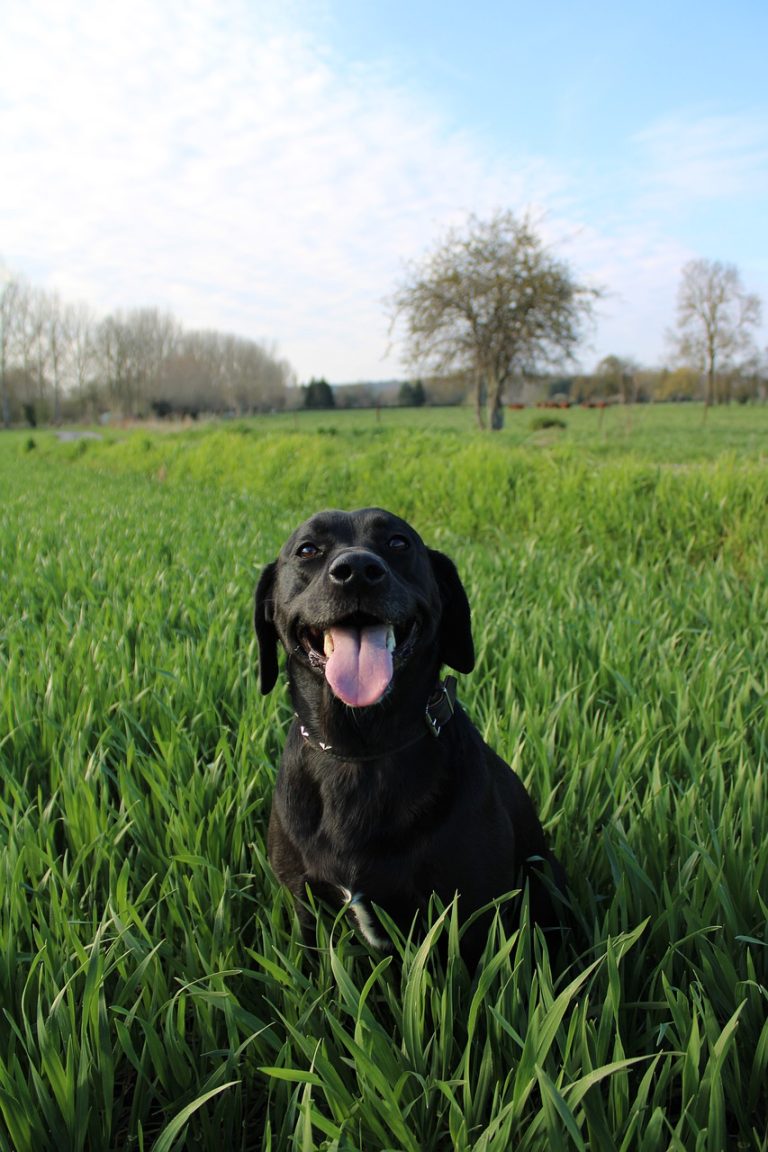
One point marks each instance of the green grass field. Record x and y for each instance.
(153, 991)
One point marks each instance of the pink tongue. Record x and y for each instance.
(360, 666)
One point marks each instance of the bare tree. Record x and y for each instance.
(115, 369)
(28, 349)
(35, 347)
(56, 321)
(257, 380)
(81, 326)
(153, 338)
(135, 362)
(218, 372)
(714, 319)
(492, 302)
(13, 292)
(189, 378)
(34, 341)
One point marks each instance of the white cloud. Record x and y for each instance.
(706, 157)
(639, 271)
(217, 159)
(232, 171)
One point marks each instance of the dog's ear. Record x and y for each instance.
(456, 647)
(266, 633)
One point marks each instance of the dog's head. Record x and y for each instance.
(359, 603)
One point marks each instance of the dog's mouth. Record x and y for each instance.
(357, 655)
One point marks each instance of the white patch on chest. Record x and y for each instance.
(365, 919)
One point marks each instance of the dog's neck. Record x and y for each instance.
(437, 713)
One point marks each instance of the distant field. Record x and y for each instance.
(663, 433)
(153, 994)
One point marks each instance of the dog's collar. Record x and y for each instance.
(440, 706)
(438, 712)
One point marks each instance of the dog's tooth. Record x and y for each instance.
(327, 643)
(391, 638)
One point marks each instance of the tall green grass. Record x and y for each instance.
(153, 991)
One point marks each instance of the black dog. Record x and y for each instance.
(386, 792)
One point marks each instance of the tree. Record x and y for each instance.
(56, 319)
(254, 379)
(81, 325)
(318, 394)
(684, 383)
(59, 360)
(35, 349)
(357, 396)
(13, 293)
(412, 395)
(714, 319)
(113, 348)
(133, 348)
(492, 302)
(615, 376)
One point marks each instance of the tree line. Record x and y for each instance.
(61, 361)
(488, 312)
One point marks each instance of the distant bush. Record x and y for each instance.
(540, 422)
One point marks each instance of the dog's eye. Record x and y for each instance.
(399, 544)
(307, 550)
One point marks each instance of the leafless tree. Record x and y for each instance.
(133, 362)
(256, 379)
(57, 335)
(219, 372)
(35, 342)
(715, 318)
(81, 325)
(491, 301)
(33, 348)
(13, 293)
(152, 338)
(115, 367)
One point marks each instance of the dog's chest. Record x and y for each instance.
(361, 912)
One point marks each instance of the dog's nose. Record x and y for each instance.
(357, 568)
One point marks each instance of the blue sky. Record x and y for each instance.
(269, 169)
